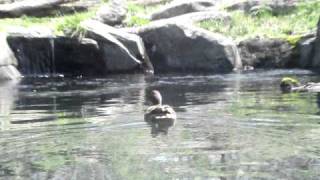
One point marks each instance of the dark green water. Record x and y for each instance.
(233, 126)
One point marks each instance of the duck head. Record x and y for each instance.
(155, 97)
(288, 84)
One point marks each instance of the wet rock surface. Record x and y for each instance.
(316, 57)
(265, 53)
(181, 48)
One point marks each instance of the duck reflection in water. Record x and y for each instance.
(159, 117)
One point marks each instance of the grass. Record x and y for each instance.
(138, 14)
(58, 23)
(290, 26)
(242, 26)
(72, 22)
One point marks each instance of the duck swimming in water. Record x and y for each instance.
(158, 111)
(161, 117)
(292, 85)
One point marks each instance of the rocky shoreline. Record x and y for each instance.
(170, 43)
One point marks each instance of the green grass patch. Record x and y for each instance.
(58, 23)
(290, 26)
(138, 15)
(71, 23)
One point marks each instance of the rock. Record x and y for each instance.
(201, 16)
(149, 2)
(121, 51)
(316, 57)
(8, 62)
(32, 48)
(42, 9)
(42, 53)
(78, 57)
(112, 13)
(181, 7)
(275, 6)
(175, 47)
(32, 32)
(9, 72)
(265, 53)
(190, 18)
(28, 7)
(305, 50)
(6, 57)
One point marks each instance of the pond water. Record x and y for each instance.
(232, 126)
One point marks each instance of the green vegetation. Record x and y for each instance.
(263, 23)
(138, 14)
(260, 23)
(59, 23)
(72, 22)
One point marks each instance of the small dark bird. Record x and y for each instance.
(159, 116)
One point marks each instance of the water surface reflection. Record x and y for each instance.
(233, 126)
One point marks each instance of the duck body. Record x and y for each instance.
(159, 117)
(160, 113)
(309, 87)
(293, 85)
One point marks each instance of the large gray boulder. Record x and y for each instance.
(181, 7)
(112, 13)
(122, 51)
(316, 57)
(8, 62)
(175, 47)
(265, 53)
(305, 50)
(39, 52)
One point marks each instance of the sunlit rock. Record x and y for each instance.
(29, 7)
(149, 2)
(177, 8)
(112, 13)
(31, 32)
(195, 17)
(8, 62)
(176, 47)
(121, 51)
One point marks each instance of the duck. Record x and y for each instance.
(292, 85)
(160, 116)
